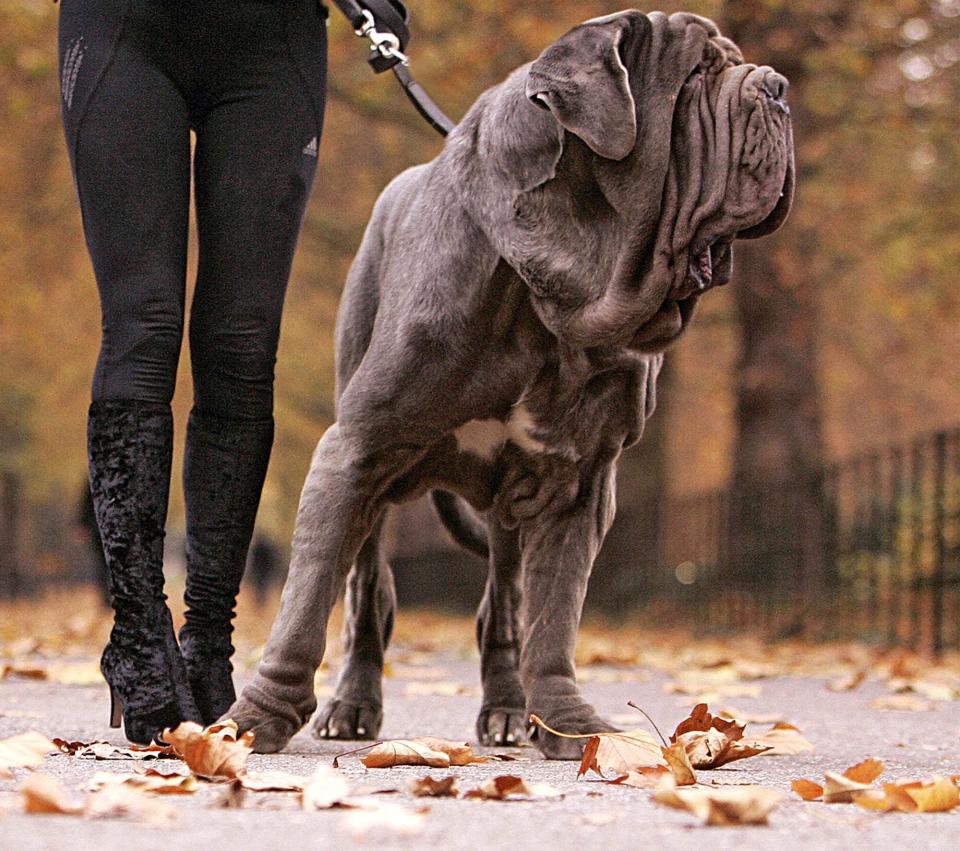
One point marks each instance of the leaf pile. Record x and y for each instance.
(855, 785)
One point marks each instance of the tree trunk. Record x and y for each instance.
(777, 526)
(11, 584)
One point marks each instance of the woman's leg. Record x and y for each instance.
(255, 159)
(130, 149)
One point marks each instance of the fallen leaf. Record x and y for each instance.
(938, 795)
(405, 752)
(213, 751)
(272, 781)
(864, 772)
(712, 749)
(430, 787)
(850, 682)
(106, 751)
(460, 753)
(723, 807)
(42, 793)
(807, 789)
(780, 740)
(679, 763)
(149, 781)
(648, 778)
(326, 788)
(902, 702)
(700, 720)
(839, 789)
(24, 750)
(508, 787)
(23, 671)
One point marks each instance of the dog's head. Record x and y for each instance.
(676, 147)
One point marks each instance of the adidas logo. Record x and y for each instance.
(310, 149)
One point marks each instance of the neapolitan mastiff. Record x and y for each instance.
(499, 339)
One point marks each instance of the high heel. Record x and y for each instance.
(115, 710)
(130, 445)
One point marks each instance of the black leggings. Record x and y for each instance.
(248, 76)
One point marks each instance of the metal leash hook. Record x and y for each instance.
(386, 44)
(387, 52)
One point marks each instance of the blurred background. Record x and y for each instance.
(802, 473)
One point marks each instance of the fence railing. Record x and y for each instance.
(875, 555)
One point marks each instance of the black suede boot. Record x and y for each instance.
(223, 472)
(129, 449)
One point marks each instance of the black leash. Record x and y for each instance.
(386, 23)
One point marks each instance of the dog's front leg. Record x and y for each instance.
(341, 499)
(558, 553)
(502, 718)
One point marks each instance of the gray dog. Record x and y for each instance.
(499, 339)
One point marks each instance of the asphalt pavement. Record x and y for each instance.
(439, 696)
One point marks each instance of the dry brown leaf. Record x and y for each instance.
(23, 671)
(712, 749)
(431, 787)
(617, 754)
(214, 751)
(326, 788)
(700, 720)
(902, 702)
(27, 749)
(937, 795)
(508, 787)
(807, 789)
(734, 805)
(42, 793)
(404, 752)
(864, 772)
(780, 740)
(148, 781)
(106, 751)
(460, 753)
(840, 789)
(648, 778)
(272, 781)
(679, 763)
(850, 682)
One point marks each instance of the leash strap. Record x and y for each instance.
(386, 23)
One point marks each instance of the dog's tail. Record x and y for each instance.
(463, 525)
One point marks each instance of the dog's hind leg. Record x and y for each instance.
(356, 710)
(502, 718)
(342, 498)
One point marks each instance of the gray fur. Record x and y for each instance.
(525, 282)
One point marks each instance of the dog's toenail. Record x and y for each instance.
(361, 731)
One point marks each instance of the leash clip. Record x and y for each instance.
(386, 44)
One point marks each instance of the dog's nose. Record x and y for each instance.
(776, 85)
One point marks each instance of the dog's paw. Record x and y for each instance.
(271, 732)
(341, 719)
(502, 726)
(579, 721)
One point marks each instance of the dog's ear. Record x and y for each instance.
(583, 81)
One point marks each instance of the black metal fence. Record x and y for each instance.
(878, 560)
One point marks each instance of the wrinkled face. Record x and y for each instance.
(671, 148)
(732, 157)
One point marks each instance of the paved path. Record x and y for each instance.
(592, 815)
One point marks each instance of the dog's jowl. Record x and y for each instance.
(499, 341)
